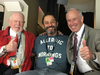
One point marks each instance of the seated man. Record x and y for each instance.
(15, 46)
(50, 50)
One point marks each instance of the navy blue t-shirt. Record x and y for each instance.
(59, 52)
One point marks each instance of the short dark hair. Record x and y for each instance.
(49, 13)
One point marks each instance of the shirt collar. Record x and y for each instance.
(79, 33)
(12, 33)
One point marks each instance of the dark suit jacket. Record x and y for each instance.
(92, 41)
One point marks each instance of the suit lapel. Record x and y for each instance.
(86, 33)
(23, 50)
(70, 48)
(70, 45)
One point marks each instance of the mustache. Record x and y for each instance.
(50, 27)
(17, 26)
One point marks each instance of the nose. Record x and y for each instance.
(18, 22)
(71, 22)
(50, 24)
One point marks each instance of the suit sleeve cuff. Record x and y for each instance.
(96, 60)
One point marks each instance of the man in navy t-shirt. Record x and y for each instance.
(50, 50)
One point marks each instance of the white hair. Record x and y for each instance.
(80, 13)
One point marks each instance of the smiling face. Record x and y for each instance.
(50, 25)
(16, 22)
(74, 20)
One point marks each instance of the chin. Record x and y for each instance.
(18, 31)
(73, 30)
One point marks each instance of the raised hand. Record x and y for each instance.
(12, 45)
(85, 53)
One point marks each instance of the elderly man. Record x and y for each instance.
(83, 47)
(15, 46)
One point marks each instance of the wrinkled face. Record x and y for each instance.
(50, 25)
(16, 22)
(74, 20)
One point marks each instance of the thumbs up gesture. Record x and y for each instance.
(85, 53)
(12, 45)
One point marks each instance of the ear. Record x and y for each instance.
(8, 20)
(82, 19)
(57, 24)
(24, 21)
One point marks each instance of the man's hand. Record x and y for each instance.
(11, 46)
(43, 33)
(85, 53)
(60, 33)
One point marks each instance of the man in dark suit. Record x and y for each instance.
(87, 54)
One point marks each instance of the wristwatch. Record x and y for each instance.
(4, 50)
(94, 56)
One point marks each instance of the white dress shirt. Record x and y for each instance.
(81, 63)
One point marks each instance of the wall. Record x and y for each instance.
(7, 14)
(32, 15)
(43, 5)
(1, 8)
(30, 11)
(97, 14)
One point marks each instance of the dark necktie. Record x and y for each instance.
(74, 54)
(75, 47)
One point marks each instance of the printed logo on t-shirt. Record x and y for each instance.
(50, 47)
(60, 42)
(55, 55)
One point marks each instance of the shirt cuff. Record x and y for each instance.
(1, 51)
(96, 60)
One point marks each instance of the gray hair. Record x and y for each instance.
(80, 13)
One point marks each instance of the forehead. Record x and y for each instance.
(17, 16)
(49, 18)
(72, 14)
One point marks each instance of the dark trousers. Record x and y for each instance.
(7, 70)
(44, 71)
